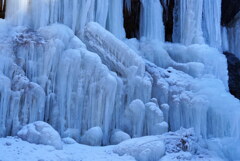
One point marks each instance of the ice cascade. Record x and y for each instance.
(68, 63)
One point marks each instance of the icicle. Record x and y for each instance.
(115, 18)
(233, 35)
(151, 24)
(212, 22)
(225, 43)
(102, 12)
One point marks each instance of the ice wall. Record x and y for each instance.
(50, 75)
(198, 22)
(75, 14)
(68, 83)
(188, 22)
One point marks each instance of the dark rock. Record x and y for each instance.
(168, 7)
(234, 74)
(2, 9)
(229, 9)
(132, 19)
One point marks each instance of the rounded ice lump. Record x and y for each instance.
(41, 133)
(93, 137)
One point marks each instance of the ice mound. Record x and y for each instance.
(118, 136)
(93, 137)
(41, 133)
(148, 148)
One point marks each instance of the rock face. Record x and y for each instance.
(41, 133)
(234, 74)
(131, 15)
(229, 9)
(2, 8)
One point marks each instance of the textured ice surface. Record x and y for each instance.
(41, 133)
(196, 102)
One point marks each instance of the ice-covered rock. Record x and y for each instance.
(41, 133)
(118, 136)
(93, 137)
(148, 148)
(68, 140)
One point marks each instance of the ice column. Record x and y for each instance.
(225, 43)
(234, 38)
(188, 22)
(212, 22)
(115, 18)
(102, 12)
(151, 24)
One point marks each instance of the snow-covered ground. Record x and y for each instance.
(180, 145)
(15, 149)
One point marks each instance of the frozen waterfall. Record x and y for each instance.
(69, 64)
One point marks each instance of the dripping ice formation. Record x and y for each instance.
(151, 25)
(68, 63)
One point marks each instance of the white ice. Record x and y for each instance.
(41, 133)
